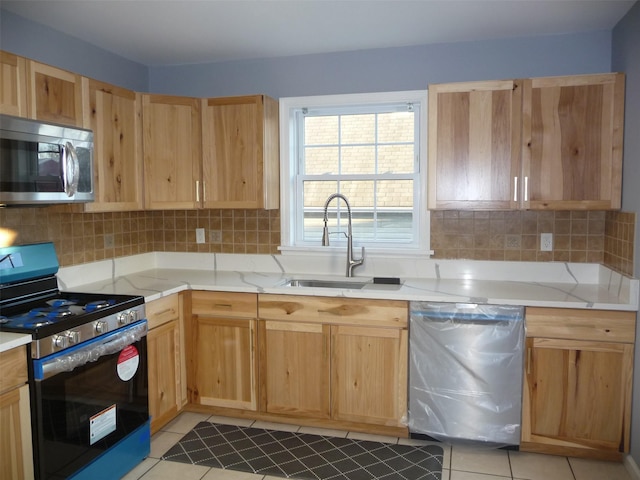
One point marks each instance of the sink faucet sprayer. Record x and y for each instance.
(351, 262)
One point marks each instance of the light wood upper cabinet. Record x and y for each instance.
(172, 147)
(115, 116)
(543, 143)
(13, 85)
(474, 145)
(578, 382)
(222, 356)
(240, 152)
(572, 141)
(54, 95)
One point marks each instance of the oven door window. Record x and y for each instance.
(85, 411)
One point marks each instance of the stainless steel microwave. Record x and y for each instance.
(44, 163)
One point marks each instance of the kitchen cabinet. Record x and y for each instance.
(577, 383)
(543, 143)
(16, 459)
(240, 152)
(167, 388)
(222, 336)
(572, 142)
(474, 145)
(54, 95)
(334, 358)
(13, 84)
(115, 116)
(172, 150)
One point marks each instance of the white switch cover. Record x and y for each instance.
(546, 242)
(199, 235)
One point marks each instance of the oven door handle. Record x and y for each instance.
(90, 351)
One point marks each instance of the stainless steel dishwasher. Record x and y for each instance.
(465, 372)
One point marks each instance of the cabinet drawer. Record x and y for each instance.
(163, 310)
(13, 365)
(224, 304)
(344, 311)
(571, 324)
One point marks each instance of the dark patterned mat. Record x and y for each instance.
(304, 456)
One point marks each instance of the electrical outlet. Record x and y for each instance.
(215, 236)
(546, 242)
(199, 235)
(108, 240)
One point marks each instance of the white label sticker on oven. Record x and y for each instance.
(102, 424)
(128, 362)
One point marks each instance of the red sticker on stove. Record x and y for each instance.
(128, 362)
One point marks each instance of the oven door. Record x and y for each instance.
(89, 401)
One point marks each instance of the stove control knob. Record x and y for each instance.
(60, 341)
(73, 336)
(101, 327)
(123, 318)
(133, 316)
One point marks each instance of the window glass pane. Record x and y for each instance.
(394, 194)
(396, 159)
(321, 160)
(358, 160)
(316, 193)
(321, 130)
(359, 194)
(358, 128)
(396, 127)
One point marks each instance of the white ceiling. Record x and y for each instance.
(169, 32)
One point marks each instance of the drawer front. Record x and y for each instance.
(163, 310)
(13, 368)
(224, 304)
(571, 324)
(339, 311)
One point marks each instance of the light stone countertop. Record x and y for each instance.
(157, 274)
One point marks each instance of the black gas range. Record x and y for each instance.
(87, 371)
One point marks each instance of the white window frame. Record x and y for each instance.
(288, 158)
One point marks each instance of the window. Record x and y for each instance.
(371, 148)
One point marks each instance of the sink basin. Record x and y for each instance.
(343, 284)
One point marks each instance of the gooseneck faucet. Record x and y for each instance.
(351, 262)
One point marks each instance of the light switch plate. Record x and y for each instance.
(199, 235)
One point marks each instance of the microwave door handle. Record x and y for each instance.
(71, 169)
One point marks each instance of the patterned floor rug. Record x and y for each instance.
(304, 456)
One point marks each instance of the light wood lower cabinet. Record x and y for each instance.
(222, 356)
(335, 358)
(295, 368)
(578, 378)
(167, 392)
(16, 457)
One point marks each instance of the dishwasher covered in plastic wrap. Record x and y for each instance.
(465, 372)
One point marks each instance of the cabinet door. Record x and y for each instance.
(115, 116)
(172, 152)
(16, 459)
(572, 141)
(474, 145)
(164, 373)
(294, 368)
(577, 396)
(225, 366)
(240, 152)
(369, 374)
(13, 85)
(54, 95)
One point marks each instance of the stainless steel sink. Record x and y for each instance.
(341, 284)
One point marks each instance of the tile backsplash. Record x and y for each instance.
(578, 236)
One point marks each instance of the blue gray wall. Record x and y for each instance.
(626, 58)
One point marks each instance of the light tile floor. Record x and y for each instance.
(461, 463)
